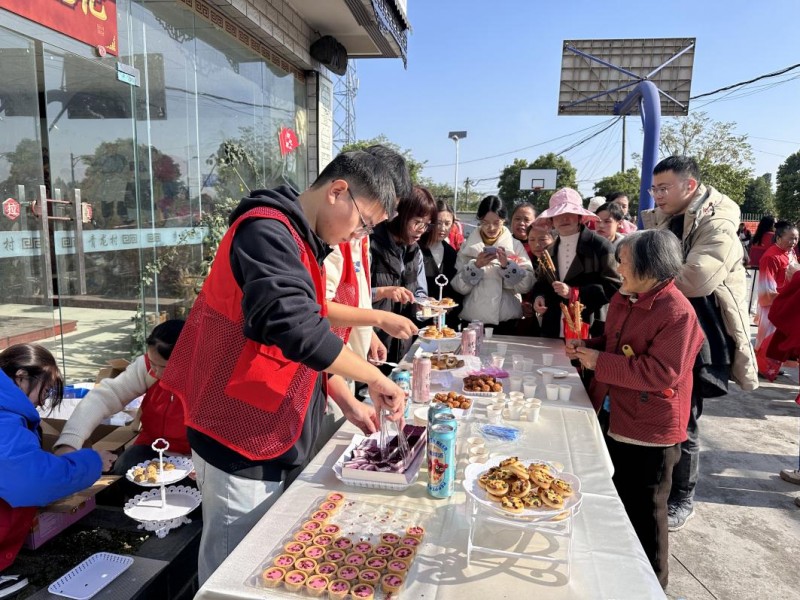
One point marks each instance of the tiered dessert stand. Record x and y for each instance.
(164, 508)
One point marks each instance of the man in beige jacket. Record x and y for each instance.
(713, 279)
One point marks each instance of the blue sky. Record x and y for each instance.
(493, 68)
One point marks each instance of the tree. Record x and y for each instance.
(787, 198)
(726, 178)
(508, 184)
(414, 166)
(628, 182)
(709, 142)
(758, 196)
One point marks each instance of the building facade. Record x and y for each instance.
(128, 128)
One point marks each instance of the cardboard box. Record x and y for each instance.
(48, 524)
(55, 518)
(114, 368)
(105, 437)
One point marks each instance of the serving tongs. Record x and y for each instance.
(385, 436)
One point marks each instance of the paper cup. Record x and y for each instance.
(547, 378)
(529, 389)
(514, 410)
(476, 441)
(421, 416)
(527, 365)
(552, 391)
(514, 396)
(502, 348)
(564, 392)
(533, 413)
(488, 332)
(516, 383)
(495, 414)
(478, 451)
(547, 360)
(498, 360)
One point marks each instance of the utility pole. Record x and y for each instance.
(467, 184)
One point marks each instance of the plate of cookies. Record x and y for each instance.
(525, 489)
(458, 403)
(431, 333)
(482, 385)
(146, 474)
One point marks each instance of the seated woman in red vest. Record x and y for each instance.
(29, 378)
(162, 414)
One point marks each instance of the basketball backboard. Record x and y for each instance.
(596, 75)
(537, 179)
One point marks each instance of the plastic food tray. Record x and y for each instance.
(91, 576)
(376, 480)
(362, 521)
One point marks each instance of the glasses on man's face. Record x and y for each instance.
(661, 190)
(419, 225)
(366, 228)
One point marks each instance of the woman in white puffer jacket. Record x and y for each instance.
(493, 271)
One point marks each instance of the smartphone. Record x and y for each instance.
(490, 249)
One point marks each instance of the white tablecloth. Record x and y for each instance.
(607, 559)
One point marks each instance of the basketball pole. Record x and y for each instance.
(455, 181)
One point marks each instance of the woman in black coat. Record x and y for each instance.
(439, 258)
(584, 262)
(397, 269)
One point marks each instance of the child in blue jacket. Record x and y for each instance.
(29, 476)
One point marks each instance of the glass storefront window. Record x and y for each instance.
(156, 163)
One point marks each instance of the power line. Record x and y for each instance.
(464, 162)
(589, 137)
(741, 83)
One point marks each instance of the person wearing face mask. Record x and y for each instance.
(493, 271)
(439, 258)
(32, 477)
(397, 269)
(584, 262)
(162, 414)
(522, 217)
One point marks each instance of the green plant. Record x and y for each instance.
(214, 224)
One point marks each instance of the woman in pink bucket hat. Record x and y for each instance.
(585, 267)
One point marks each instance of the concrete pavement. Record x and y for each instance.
(744, 540)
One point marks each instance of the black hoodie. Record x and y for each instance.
(279, 309)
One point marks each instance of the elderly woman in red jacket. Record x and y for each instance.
(643, 377)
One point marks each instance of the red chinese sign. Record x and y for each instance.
(11, 208)
(90, 21)
(288, 141)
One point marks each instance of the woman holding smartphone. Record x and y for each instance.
(493, 271)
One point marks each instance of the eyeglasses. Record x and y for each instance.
(419, 225)
(366, 228)
(660, 190)
(492, 225)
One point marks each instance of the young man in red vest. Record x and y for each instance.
(251, 364)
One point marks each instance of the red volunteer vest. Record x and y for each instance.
(162, 417)
(15, 523)
(347, 291)
(247, 396)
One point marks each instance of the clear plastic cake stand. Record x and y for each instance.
(163, 508)
(552, 538)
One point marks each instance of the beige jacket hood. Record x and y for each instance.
(712, 257)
